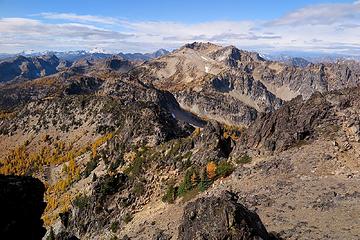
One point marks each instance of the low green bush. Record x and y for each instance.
(204, 183)
(170, 194)
(90, 166)
(224, 169)
(127, 218)
(187, 183)
(244, 159)
(114, 226)
(81, 201)
(138, 189)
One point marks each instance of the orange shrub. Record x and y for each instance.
(211, 170)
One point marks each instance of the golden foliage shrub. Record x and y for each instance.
(211, 170)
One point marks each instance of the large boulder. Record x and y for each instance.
(221, 217)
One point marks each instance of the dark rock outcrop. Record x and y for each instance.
(21, 207)
(221, 217)
(300, 121)
(214, 146)
(94, 212)
(293, 122)
(82, 85)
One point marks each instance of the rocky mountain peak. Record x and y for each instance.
(229, 55)
(49, 57)
(20, 58)
(201, 46)
(160, 52)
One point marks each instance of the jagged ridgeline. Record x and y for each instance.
(124, 147)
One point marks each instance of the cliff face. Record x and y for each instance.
(21, 206)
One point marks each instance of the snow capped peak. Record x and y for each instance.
(162, 51)
(263, 55)
(30, 52)
(97, 50)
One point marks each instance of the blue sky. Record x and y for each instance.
(188, 11)
(131, 26)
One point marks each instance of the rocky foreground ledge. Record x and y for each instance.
(221, 217)
(21, 207)
(215, 217)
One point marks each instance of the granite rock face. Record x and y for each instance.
(21, 206)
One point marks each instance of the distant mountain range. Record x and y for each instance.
(27, 68)
(30, 65)
(296, 59)
(301, 59)
(93, 54)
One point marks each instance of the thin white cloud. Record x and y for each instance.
(33, 34)
(331, 28)
(80, 18)
(321, 14)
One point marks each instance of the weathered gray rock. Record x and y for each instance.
(221, 218)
